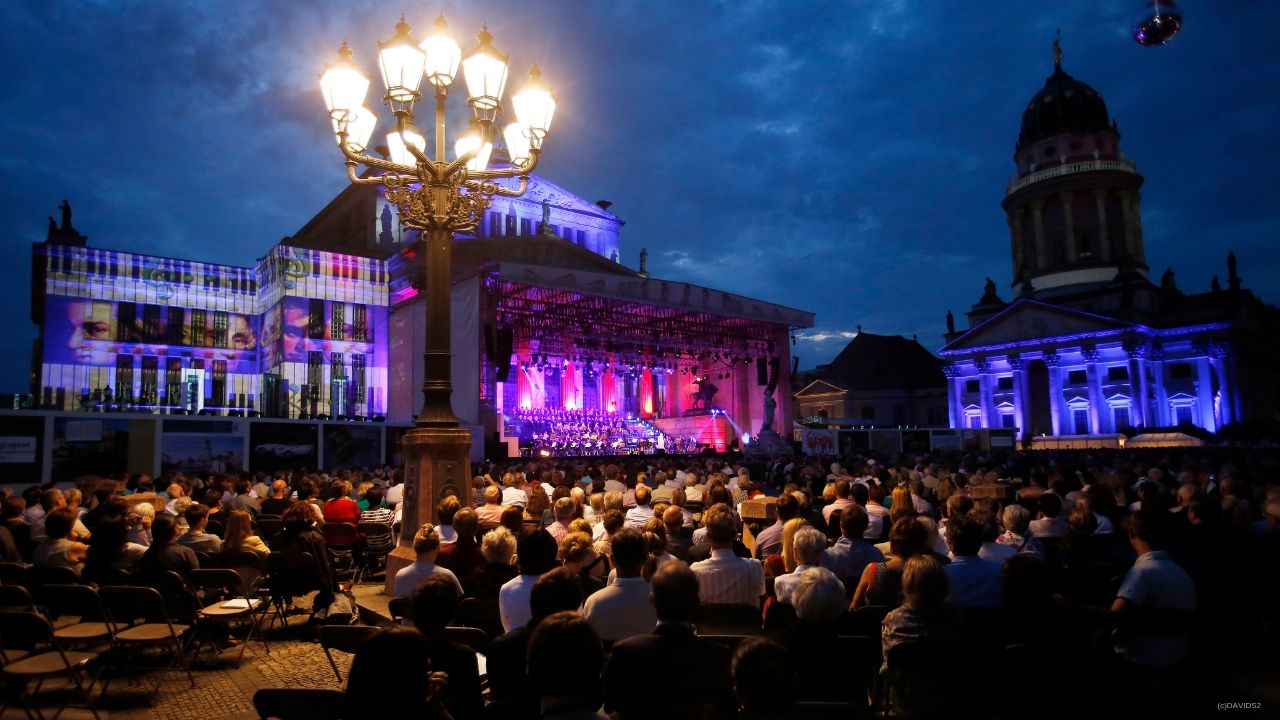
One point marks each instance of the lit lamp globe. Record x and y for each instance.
(485, 70)
(343, 85)
(402, 64)
(359, 128)
(442, 55)
(398, 144)
(518, 148)
(534, 106)
(474, 141)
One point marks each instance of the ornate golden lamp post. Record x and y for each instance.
(438, 196)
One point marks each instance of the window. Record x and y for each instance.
(336, 329)
(198, 320)
(315, 365)
(126, 318)
(357, 377)
(511, 226)
(1005, 383)
(151, 323)
(973, 421)
(1007, 420)
(124, 378)
(219, 382)
(220, 325)
(150, 366)
(1084, 246)
(336, 362)
(359, 331)
(1118, 373)
(176, 325)
(971, 386)
(1180, 371)
(1183, 415)
(173, 381)
(526, 226)
(1077, 377)
(1120, 417)
(1080, 420)
(315, 319)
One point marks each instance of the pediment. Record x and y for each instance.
(1030, 320)
(820, 387)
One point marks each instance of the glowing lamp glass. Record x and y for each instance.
(534, 107)
(518, 147)
(402, 64)
(473, 141)
(485, 70)
(442, 55)
(359, 126)
(343, 85)
(397, 145)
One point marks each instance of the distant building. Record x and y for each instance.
(876, 380)
(1088, 344)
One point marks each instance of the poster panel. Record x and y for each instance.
(281, 446)
(352, 446)
(89, 447)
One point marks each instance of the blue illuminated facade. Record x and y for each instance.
(1088, 345)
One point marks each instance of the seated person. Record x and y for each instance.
(426, 545)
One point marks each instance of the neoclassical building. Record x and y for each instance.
(1088, 344)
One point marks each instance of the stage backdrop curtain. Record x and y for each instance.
(608, 392)
(646, 392)
(532, 389)
(571, 388)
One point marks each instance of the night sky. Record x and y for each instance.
(844, 158)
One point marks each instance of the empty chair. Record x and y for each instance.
(401, 609)
(293, 574)
(269, 526)
(474, 638)
(14, 574)
(225, 600)
(140, 619)
(30, 631)
(480, 613)
(77, 614)
(347, 638)
(298, 704)
(53, 575)
(15, 598)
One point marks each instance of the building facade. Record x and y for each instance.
(1088, 344)
(877, 380)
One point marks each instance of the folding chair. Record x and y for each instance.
(77, 614)
(53, 575)
(728, 619)
(226, 600)
(401, 609)
(474, 638)
(30, 631)
(347, 638)
(480, 613)
(298, 703)
(376, 535)
(14, 574)
(342, 541)
(293, 574)
(16, 598)
(140, 619)
(269, 526)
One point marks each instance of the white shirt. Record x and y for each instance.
(783, 585)
(621, 610)
(1156, 581)
(726, 578)
(513, 602)
(996, 552)
(514, 496)
(410, 576)
(395, 495)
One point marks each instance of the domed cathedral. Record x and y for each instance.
(1086, 344)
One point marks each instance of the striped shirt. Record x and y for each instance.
(726, 578)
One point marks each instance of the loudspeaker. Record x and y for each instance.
(762, 371)
(503, 341)
(490, 343)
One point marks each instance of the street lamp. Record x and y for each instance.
(439, 196)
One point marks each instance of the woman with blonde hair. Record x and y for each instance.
(785, 560)
(239, 534)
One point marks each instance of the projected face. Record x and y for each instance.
(88, 320)
(294, 333)
(242, 335)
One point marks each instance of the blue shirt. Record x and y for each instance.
(974, 582)
(847, 558)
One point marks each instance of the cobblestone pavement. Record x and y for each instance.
(223, 691)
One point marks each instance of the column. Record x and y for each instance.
(1019, 393)
(1103, 244)
(1015, 231)
(1162, 395)
(986, 399)
(1095, 391)
(1068, 223)
(1226, 389)
(1138, 387)
(1037, 219)
(1053, 362)
(954, 407)
(1204, 394)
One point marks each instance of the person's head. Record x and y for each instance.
(808, 544)
(613, 520)
(197, 516)
(164, 530)
(52, 499)
(239, 526)
(340, 490)
(12, 507)
(564, 510)
(498, 546)
(435, 601)
(566, 659)
(426, 542)
(73, 498)
(718, 520)
(576, 548)
(59, 523)
(674, 592)
(492, 495)
(643, 495)
(512, 518)
(1028, 583)
(537, 552)
(673, 519)
(902, 497)
(819, 596)
(297, 518)
(924, 583)
(1050, 505)
(612, 500)
(627, 551)
(907, 538)
(986, 519)
(1082, 522)
(786, 507)
(374, 496)
(465, 522)
(278, 488)
(557, 590)
(1017, 519)
(1150, 530)
(391, 665)
(964, 535)
(854, 522)
(765, 680)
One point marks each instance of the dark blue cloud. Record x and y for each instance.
(846, 158)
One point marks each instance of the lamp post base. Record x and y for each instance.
(434, 457)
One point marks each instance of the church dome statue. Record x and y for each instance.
(1064, 106)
